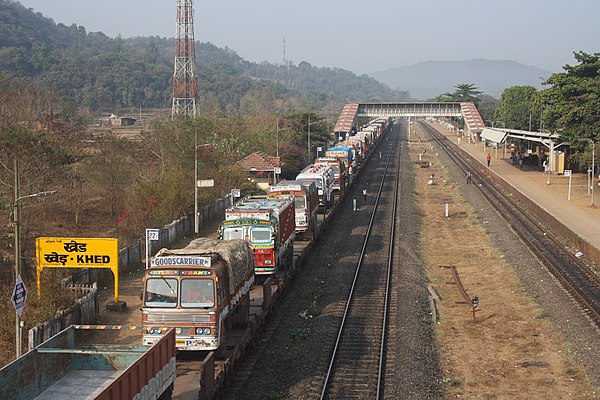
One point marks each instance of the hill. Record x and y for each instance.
(429, 79)
(123, 75)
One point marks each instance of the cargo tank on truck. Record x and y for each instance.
(306, 202)
(81, 363)
(324, 178)
(201, 291)
(267, 225)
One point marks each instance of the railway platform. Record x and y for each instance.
(574, 210)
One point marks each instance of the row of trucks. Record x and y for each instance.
(202, 290)
(255, 240)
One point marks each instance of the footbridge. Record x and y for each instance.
(349, 117)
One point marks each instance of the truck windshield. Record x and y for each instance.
(260, 235)
(161, 292)
(317, 182)
(233, 233)
(197, 292)
(299, 202)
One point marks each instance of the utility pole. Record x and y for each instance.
(185, 82)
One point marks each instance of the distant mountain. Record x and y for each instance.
(429, 79)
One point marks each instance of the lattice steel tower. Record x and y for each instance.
(185, 82)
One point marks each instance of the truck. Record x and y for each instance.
(268, 225)
(324, 178)
(201, 291)
(80, 363)
(306, 203)
(346, 156)
(339, 172)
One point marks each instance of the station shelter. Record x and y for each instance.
(542, 150)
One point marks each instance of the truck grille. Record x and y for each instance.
(161, 318)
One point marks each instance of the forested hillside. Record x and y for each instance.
(122, 75)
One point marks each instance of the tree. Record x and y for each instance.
(571, 105)
(515, 109)
(464, 92)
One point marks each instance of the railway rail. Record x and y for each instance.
(356, 367)
(574, 275)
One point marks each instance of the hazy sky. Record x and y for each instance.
(361, 36)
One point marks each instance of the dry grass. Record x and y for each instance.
(511, 351)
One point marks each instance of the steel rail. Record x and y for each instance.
(389, 271)
(354, 281)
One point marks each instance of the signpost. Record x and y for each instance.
(235, 194)
(78, 253)
(19, 296)
(568, 173)
(151, 235)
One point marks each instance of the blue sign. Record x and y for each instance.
(19, 296)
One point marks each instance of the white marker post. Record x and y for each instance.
(151, 235)
(569, 174)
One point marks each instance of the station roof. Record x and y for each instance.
(499, 135)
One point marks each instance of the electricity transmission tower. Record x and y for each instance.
(185, 82)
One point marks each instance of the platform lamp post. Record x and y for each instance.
(16, 220)
(196, 213)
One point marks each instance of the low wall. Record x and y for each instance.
(85, 311)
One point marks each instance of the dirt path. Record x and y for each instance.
(511, 350)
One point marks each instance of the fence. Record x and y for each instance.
(131, 257)
(85, 311)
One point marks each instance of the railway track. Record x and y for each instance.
(356, 366)
(574, 275)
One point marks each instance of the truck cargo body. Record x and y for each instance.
(76, 364)
(346, 155)
(339, 172)
(267, 225)
(199, 291)
(306, 202)
(324, 178)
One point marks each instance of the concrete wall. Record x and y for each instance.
(85, 311)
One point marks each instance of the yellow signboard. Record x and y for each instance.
(78, 253)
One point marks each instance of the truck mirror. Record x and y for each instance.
(141, 295)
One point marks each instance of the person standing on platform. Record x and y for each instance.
(488, 158)
(521, 161)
